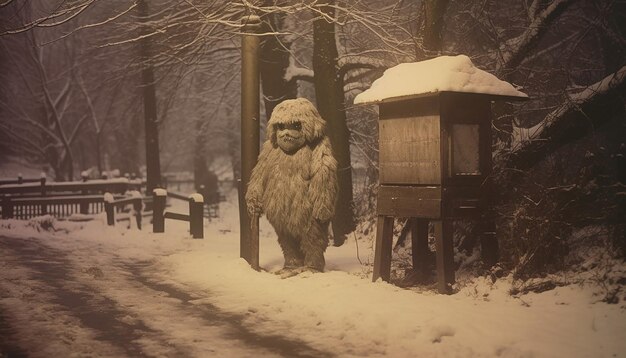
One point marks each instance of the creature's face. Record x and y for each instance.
(289, 136)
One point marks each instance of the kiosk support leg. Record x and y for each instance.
(382, 254)
(419, 245)
(445, 255)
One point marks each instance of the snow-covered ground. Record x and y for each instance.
(85, 289)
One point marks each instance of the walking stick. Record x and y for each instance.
(254, 241)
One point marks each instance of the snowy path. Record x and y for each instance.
(87, 289)
(70, 308)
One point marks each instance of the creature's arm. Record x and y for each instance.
(323, 187)
(254, 193)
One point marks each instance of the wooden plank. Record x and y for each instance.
(179, 196)
(410, 150)
(463, 201)
(125, 201)
(411, 108)
(16, 181)
(52, 188)
(176, 216)
(408, 141)
(64, 200)
(465, 108)
(403, 201)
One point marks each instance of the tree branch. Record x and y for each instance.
(581, 114)
(513, 52)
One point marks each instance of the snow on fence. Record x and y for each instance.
(111, 204)
(22, 180)
(61, 199)
(195, 216)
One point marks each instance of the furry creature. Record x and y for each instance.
(295, 184)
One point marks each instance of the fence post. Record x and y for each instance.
(137, 206)
(42, 180)
(109, 208)
(158, 209)
(20, 179)
(84, 207)
(196, 215)
(7, 207)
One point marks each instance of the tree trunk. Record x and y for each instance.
(434, 11)
(98, 152)
(153, 165)
(200, 170)
(331, 105)
(69, 163)
(274, 60)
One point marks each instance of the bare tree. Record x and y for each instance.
(39, 93)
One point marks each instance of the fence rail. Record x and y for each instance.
(94, 186)
(22, 180)
(195, 216)
(57, 206)
(28, 199)
(111, 204)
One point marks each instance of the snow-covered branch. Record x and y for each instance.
(348, 63)
(513, 51)
(294, 73)
(582, 112)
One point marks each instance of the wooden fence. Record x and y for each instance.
(111, 205)
(26, 198)
(63, 199)
(22, 180)
(195, 216)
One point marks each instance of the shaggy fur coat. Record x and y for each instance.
(296, 188)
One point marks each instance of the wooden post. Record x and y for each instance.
(109, 208)
(445, 255)
(42, 180)
(43, 184)
(137, 204)
(158, 209)
(7, 207)
(250, 126)
(196, 216)
(488, 240)
(254, 242)
(84, 207)
(419, 245)
(20, 179)
(382, 254)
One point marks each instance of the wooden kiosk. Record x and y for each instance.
(435, 163)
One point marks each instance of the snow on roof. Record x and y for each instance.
(440, 74)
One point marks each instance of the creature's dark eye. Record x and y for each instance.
(294, 126)
(297, 126)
